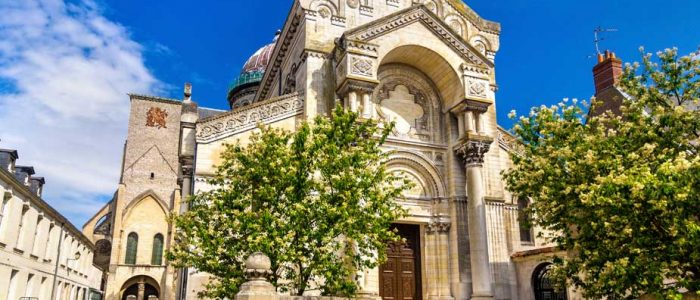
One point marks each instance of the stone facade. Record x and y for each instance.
(41, 253)
(429, 65)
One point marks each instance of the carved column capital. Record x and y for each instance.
(439, 224)
(356, 85)
(473, 148)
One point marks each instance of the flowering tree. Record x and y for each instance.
(620, 192)
(318, 201)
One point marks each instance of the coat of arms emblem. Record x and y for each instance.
(156, 118)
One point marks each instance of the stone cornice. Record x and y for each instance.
(155, 99)
(248, 117)
(474, 18)
(289, 33)
(420, 13)
(45, 208)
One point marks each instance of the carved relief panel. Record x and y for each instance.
(405, 96)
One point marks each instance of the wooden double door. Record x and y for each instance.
(400, 277)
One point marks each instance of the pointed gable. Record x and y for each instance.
(419, 14)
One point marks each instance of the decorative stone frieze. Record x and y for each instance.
(248, 117)
(508, 142)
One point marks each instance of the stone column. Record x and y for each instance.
(473, 148)
(355, 93)
(439, 229)
(367, 105)
(142, 291)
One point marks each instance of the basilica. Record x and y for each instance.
(428, 65)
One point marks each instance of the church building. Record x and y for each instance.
(428, 65)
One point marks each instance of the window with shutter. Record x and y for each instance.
(131, 248)
(157, 257)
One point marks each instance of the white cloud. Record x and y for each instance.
(64, 73)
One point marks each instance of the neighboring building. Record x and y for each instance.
(41, 252)
(429, 65)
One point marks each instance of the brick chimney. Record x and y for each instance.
(7, 159)
(607, 72)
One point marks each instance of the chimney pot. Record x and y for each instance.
(607, 72)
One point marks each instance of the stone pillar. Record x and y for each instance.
(439, 229)
(368, 283)
(188, 124)
(473, 148)
(356, 93)
(367, 105)
(142, 291)
(257, 287)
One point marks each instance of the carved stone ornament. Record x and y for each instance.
(156, 117)
(257, 266)
(248, 117)
(474, 150)
(477, 88)
(438, 225)
(353, 3)
(361, 66)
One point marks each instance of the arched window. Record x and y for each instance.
(132, 245)
(524, 219)
(157, 256)
(542, 284)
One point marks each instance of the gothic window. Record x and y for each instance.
(132, 244)
(157, 256)
(542, 284)
(524, 219)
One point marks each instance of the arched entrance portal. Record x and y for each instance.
(140, 288)
(542, 284)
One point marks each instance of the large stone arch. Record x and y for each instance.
(434, 65)
(140, 280)
(416, 102)
(419, 166)
(146, 215)
(150, 194)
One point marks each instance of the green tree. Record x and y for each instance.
(318, 201)
(620, 193)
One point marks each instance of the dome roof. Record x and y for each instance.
(253, 70)
(258, 62)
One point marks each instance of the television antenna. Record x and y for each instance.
(597, 32)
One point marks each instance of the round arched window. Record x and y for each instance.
(542, 284)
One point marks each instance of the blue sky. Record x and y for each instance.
(66, 65)
(544, 56)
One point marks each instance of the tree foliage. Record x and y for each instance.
(620, 193)
(318, 201)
